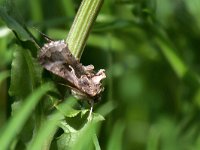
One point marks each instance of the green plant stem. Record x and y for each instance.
(82, 25)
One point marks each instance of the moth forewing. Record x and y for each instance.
(56, 57)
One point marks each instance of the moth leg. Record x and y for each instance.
(89, 118)
(72, 70)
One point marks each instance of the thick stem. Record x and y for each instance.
(82, 25)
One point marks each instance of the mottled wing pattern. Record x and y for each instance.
(52, 59)
(56, 58)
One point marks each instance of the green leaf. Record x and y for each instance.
(36, 10)
(68, 138)
(194, 9)
(115, 141)
(96, 143)
(153, 139)
(106, 108)
(77, 139)
(4, 75)
(7, 15)
(49, 127)
(66, 107)
(46, 133)
(72, 137)
(68, 7)
(177, 64)
(24, 74)
(15, 124)
(85, 136)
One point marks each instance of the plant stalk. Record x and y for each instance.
(82, 25)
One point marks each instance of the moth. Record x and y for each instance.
(83, 81)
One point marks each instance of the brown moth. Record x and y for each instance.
(83, 81)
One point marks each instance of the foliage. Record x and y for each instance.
(150, 51)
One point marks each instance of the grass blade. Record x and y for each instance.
(16, 123)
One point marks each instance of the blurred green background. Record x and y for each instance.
(150, 50)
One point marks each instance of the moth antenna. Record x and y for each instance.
(48, 39)
(37, 45)
(65, 85)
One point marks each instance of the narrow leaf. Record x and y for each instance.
(3, 75)
(13, 23)
(15, 124)
(46, 133)
(24, 75)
